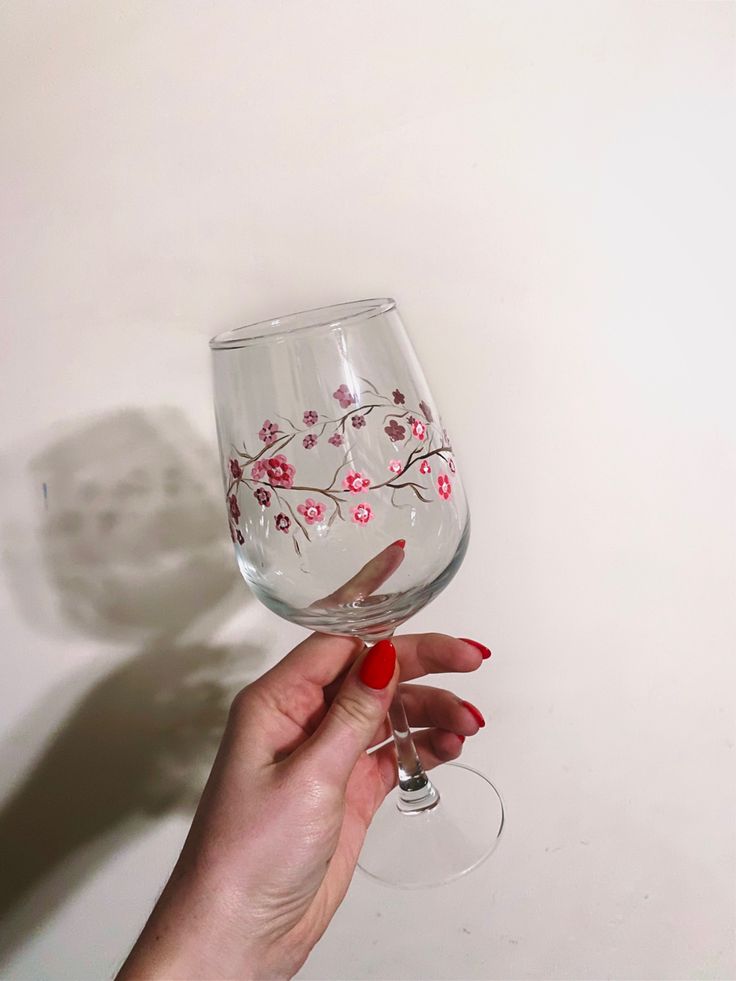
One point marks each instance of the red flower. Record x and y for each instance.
(269, 432)
(236, 470)
(262, 496)
(394, 431)
(241, 540)
(283, 522)
(258, 470)
(355, 482)
(395, 466)
(309, 441)
(398, 397)
(337, 439)
(358, 421)
(344, 397)
(280, 473)
(424, 467)
(310, 417)
(234, 509)
(311, 510)
(362, 513)
(444, 487)
(418, 429)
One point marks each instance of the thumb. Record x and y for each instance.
(357, 710)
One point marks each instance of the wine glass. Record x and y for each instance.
(347, 515)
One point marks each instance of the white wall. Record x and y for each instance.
(547, 189)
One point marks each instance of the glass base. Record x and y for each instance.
(432, 847)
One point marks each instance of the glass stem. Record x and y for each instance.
(416, 792)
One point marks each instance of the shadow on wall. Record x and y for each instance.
(134, 541)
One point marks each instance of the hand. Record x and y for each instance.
(280, 825)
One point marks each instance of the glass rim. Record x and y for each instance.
(278, 328)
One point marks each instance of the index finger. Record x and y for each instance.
(422, 654)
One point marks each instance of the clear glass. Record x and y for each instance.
(345, 504)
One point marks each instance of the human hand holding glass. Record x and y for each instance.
(335, 458)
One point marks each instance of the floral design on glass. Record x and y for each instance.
(270, 474)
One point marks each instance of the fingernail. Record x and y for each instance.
(476, 713)
(401, 543)
(479, 647)
(378, 667)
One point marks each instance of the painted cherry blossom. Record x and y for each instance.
(358, 421)
(362, 513)
(239, 536)
(355, 482)
(309, 441)
(236, 470)
(418, 429)
(269, 432)
(444, 487)
(279, 471)
(426, 411)
(452, 466)
(394, 431)
(310, 417)
(263, 496)
(258, 470)
(337, 439)
(234, 509)
(282, 522)
(398, 397)
(344, 397)
(424, 467)
(395, 466)
(311, 510)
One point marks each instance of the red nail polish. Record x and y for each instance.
(475, 713)
(378, 667)
(401, 543)
(479, 647)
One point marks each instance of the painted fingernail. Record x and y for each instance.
(476, 713)
(485, 652)
(378, 667)
(401, 543)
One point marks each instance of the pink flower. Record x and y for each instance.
(269, 432)
(309, 441)
(241, 540)
(283, 522)
(337, 439)
(311, 510)
(262, 496)
(452, 465)
(280, 473)
(236, 470)
(418, 429)
(426, 411)
(395, 466)
(398, 397)
(358, 422)
(344, 397)
(424, 467)
(234, 509)
(362, 513)
(394, 431)
(310, 417)
(444, 487)
(258, 470)
(355, 482)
